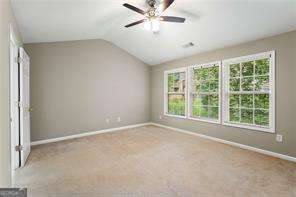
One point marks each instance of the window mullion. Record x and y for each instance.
(254, 67)
(240, 89)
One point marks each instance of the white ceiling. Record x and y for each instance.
(211, 24)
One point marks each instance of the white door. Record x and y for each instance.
(24, 105)
(14, 103)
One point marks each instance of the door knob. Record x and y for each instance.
(30, 109)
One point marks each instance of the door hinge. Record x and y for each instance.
(19, 148)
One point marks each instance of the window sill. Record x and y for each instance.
(175, 116)
(205, 120)
(254, 128)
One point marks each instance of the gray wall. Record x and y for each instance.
(76, 85)
(6, 17)
(285, 46)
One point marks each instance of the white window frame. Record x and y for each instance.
(190, 85)
(166, 73)
(225, 78)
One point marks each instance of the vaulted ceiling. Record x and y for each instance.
(210, 24)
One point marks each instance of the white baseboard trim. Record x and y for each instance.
(258, 150)
(87, 134)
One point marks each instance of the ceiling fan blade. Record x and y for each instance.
(165, 5)
(136, 23)
(172, 19)
(134, 8)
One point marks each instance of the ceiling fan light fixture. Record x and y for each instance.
(155, 25)
(148, 25)
(152, 25)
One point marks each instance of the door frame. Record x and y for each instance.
(14, 134)
(24, 109)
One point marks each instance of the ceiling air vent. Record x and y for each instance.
(188, 45)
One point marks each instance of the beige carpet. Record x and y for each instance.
(152, 161)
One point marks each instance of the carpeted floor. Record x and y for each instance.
(152, 161)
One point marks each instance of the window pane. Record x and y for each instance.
(214, 100)
(213, 73)
(262, 117)
(262, 67)
(176, 104)
(196, 100)
(234, 115)
(234, 101)
(196, 104)
(197, 74)
(247, 84)
(176, 85)
(205, 87)
(204, 99)
(248, 68)
(262, 83)
(214, 86)
(234, 85)
(262, 101)
(234, 70)
(213, 112)
(204, 111)
(170, 82)
(203, 73)
(197, 87)
(177, 77)
(247, 100)
(247, 116)
(196, 111)
(176, 82)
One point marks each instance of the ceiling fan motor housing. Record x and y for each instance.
(153, 12)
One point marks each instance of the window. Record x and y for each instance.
(175, 92)
(204, 92)
(247, 99)
(249, 92)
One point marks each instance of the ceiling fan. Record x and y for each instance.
(154, 15)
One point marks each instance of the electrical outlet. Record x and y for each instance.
(107, 120)
(279, 138)
(118, 119)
